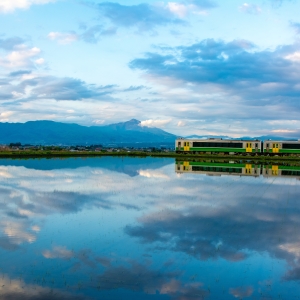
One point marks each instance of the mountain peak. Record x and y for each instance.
(133, 121)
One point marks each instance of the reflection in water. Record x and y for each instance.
(218, 168)
(129, 228)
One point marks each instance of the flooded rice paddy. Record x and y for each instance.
(151, 228)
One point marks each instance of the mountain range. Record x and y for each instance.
(130, 133)
(54, 133)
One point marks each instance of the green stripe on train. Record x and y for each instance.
(284, 151)
(289, 168)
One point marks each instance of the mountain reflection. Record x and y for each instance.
(93, 232)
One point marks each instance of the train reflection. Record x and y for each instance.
(219, 168)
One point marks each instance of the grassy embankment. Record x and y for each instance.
(63, 153)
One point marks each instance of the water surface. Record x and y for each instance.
(131, 228)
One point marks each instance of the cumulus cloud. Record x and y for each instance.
(146, 17)
(178, 9)
(18, 54)
(233, 68)
(140, 278)
(155, 123)
(64, 88)
(250, 8)
(18, 232)
(51, 87)
(24, 57)
(7, 6)
(294, 56)
(19, 290)
(63, 37)
(194, 230)
(58, 252)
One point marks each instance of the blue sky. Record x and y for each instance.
(186, 66)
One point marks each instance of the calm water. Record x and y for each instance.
(129, 228)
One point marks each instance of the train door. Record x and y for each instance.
(275, 148)
(248, 168)
(186, 166)
(275, 170)
(268, 147)
(186, 146)
(248, 147)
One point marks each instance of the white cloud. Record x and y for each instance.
(178, 9)
(181, 124)
(21, 58)
(294, 56)
(62, 37)
(153, 174)
(17, 233)
(40, 61)
(4, 116)
(98, 122)
(4, 173)
(58, 252)
(181, 10)
(284, 131)
(7, 6)
(155, 123)
(291, 248)
(250, 8)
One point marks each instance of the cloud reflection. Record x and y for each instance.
(19, 290)
(147, 225)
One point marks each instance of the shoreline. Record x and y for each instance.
(66, 154)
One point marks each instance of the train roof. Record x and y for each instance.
(234, 140)
(286, 142)
(216, 140)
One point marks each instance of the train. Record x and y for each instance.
(219, 168)
(239, 147)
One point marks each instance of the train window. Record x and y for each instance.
(267, 145)
(218, 144)
(256, 145)
(184, 143)
(188, 143)
(179, 144)
(291, 146)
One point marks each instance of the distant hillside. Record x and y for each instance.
(55, 133)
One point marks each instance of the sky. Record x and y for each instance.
(204, 67)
